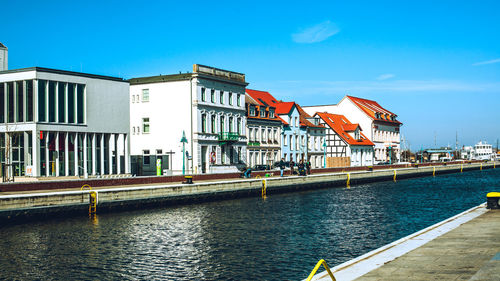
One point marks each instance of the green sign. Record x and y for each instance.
(158, 167)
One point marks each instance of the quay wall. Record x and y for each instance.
(16, 207)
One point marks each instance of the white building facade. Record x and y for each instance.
(208, 106)
(263, 131)
(379, 125)
(62, 123)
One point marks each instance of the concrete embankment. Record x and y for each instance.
(15, 207)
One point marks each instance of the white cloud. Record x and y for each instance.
(385, 76)
(487, 62)
(317, 33)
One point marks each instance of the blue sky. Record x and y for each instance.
(434, 63)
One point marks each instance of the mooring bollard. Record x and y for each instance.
(189, 180)
(493, 200)
(92, 202)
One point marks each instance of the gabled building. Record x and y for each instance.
(301, 136)
(206, 106)
(263, 129)
(4, 58)
(379, 124)
(316, 134)
(344, 139)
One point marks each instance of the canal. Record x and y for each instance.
(279, 238)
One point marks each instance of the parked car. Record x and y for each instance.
(384, 163)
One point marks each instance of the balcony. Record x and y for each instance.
(227, 137)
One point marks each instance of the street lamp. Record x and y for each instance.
(324, 153)
(184, 141)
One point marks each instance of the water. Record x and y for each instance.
(280, 238)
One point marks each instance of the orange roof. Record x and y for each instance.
(262, 97)
(374, 110)
(341, 125)
(304, 121)
(255, 97)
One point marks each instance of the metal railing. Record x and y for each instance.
(321, 262)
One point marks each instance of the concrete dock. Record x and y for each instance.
(465, 247)
(19, 205)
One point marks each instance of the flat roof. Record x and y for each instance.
(180, 77)
(64, 72)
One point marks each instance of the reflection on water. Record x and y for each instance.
(280, 238)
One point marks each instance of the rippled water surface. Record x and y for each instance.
(280, 238)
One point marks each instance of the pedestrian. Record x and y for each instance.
(291, 166)
(282, 166)
(308, 166)
(301, 168)
(248, 172)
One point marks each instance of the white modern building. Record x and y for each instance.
(263, 130)
(379, 125)
(207, 106)
(4, 58)
(344, 139)
(63, 123)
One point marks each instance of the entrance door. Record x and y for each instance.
(203, 159)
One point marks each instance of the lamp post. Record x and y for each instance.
(324, 153)
(184, 141)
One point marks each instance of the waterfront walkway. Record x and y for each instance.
(469, 252)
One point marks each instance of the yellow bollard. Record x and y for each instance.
(92, 202)
(461, 168)
(394, 176)
(481, 168)
(348, 183)
(264, 188)
(433, 171)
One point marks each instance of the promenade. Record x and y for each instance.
(469, 251)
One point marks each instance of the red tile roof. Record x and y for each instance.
(304, 121)
(371, 107)
(262, 96)
(341, 125)
(259, 98)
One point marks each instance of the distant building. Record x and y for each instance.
(467, 152)
(443, 154)
(4, 62)
(379, 124)
(344, 139)
(316, 134)
(63, 123)
(208, 105)
(483, 151)
(263, 129)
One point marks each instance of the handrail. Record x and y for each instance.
(321, 262)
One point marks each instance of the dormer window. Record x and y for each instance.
(262, 112)
(271, 113)
(252, 111)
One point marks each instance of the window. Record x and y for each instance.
(133, 130)
(291, 142)
(230, 98)
(145, 95)
(159, 152)
(61, 102)
(145, 157)
(203, 95)
(213, 124)
(238, 102)
(221, 124)
(80, 103)
(271, 113)
(52, 102)
(239, 126)
(286, 141)
(133, 98)
(252, 111)
(138, 130)
(19, 101)
(212, 96)
(262, 135)
(262, 112)
(296, 121)
(203, 123)
(2, 106)
(29, 101)
(145, 125)
(221, 97)
(41, 100)
(71, 102)
(231, 124)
